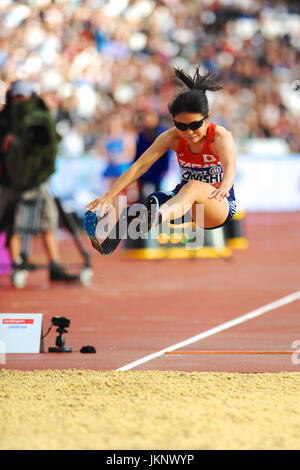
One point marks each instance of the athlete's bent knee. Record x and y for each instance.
(197, 188)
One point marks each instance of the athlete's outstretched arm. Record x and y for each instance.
(162, 143)
(226, 151)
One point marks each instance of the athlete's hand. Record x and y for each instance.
(103, 203)
(219, 193)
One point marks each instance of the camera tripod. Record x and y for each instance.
(60, 342)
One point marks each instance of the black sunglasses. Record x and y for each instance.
(192, 125)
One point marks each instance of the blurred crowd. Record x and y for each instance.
(100, 64)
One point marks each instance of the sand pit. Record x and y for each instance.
(83, 409)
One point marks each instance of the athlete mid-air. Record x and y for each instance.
(207, 159)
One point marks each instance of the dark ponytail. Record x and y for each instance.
(194, 99)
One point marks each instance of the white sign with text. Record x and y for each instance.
(21, 332)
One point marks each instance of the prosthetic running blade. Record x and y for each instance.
(147, 220)
(113, 239)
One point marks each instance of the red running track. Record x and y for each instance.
(135, 308)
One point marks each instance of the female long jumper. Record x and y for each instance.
(205, 153)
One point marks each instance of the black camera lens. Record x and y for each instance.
(61, 321)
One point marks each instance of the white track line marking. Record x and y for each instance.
(224, 326)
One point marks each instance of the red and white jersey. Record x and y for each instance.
(204, 166)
